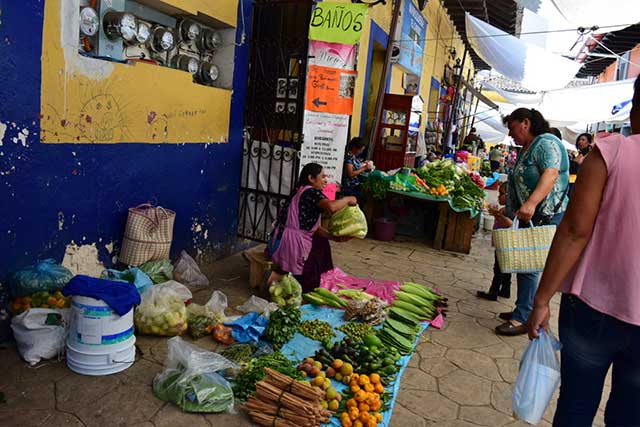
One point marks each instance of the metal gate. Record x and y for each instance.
(273, 114)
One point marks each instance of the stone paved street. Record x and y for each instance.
(460, 376)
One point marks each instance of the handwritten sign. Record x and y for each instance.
(337, 22)
(330, 90)
(325, 139)
(332, 55)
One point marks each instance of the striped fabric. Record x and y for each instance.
(148, 235)
(523, 250)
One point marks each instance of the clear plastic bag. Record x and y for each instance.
(193, 379)
(158, 271)
(186, 270)
(259, 305)
(538, 378)
(202, 318)
(349, 222)
(46, 275)
(162, 310)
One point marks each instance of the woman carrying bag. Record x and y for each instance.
(538, 186)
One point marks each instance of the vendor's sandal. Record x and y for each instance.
(510, 330)
(506, 315)
(487, 296)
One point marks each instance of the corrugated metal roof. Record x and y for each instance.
(619, 42)
(502, 14)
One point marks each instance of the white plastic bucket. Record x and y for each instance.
(489, 220)
(100, 342)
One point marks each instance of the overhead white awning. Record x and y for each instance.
(533, 67)
(611, 15)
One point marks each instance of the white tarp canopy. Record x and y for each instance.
(602, 102)
(604, 14)
(533, 67)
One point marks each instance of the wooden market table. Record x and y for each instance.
(453, 230)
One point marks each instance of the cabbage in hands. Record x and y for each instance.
(349, 222)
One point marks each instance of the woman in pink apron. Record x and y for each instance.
(298, 233)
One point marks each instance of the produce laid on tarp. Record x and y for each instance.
(348, 222)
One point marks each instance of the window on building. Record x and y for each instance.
(622, 69)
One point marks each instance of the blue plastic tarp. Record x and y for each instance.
(301, 347)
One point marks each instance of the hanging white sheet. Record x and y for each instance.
(604, 14)
(533, 67)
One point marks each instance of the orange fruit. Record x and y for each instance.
(363, 380)
(369, 388)
(351, 403)
(378, 388)
(374, 378)
(363, 407)
(361, 396)
(354, 388)
(378, 416)
(358, 423)
(364, 416)
(346, 422)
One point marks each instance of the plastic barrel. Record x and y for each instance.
(385, 229)
(100, 342)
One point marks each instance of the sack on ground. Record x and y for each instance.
(162, 310)
(349, 222)
(538, 378)
(158, 271)
(40, 333)
(132, 275)
(46, 275)
(523, 250)
(186, 270)
(202, 318)
(193, 379)
(147, 235)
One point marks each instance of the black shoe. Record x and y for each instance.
(487, 296)
(506, 316)
(505, 294)
(510, 330)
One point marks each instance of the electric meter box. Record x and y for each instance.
(106, 47)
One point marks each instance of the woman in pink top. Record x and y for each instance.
(595, 263)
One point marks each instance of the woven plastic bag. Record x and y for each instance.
(349, 222)
(193, 379)
(40, 333)
(538, 378)
(46, 275)
(162, 310)
(523, 250)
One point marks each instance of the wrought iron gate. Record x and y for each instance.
(273, 114)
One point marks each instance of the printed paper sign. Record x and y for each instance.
(325, 139)
(337, 22)
(330, 90)
(332, 55)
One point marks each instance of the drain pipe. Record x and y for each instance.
(383, 79)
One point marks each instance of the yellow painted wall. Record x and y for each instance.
(88, 100)
(439, 26)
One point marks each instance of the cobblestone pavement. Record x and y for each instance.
(460, 376)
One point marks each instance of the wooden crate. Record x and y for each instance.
(455, 230)
(259, 262)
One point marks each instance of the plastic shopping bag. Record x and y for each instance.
(133, 275)
(162, 310)
(349, 221)
(40, 333)
(193, 379)
(538, 378)
(46, 275)
(202, 318)
(159, 271)
(186, 271)
(259, 305)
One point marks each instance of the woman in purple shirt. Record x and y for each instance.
(595, 262)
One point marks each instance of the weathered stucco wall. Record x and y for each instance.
(56, 194)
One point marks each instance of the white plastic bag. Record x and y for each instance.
(259, 305)
(40, 333)
(186, 271)
(162, 310)
(203, 317)
(538, 378)
(193, 379)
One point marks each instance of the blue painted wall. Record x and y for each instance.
(93, 185)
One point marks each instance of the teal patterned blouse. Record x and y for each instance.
(545, 152)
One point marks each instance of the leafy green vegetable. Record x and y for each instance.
(245, 383)
(283, 324)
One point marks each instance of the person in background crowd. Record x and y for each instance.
(594, 263)
(299, 244)
(556, 132)
(353, 168)
(501, 283)
(496, 157)
(421, 150)
(471, 141)
(583, 144)
(538, 187)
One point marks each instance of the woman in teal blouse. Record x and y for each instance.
(538, 186)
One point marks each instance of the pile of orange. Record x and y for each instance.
(42, 299)
(363, 409)
(440, 190)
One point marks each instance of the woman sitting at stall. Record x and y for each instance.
(300, 245)
(353, 168)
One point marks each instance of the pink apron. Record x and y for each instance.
(295, 244)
